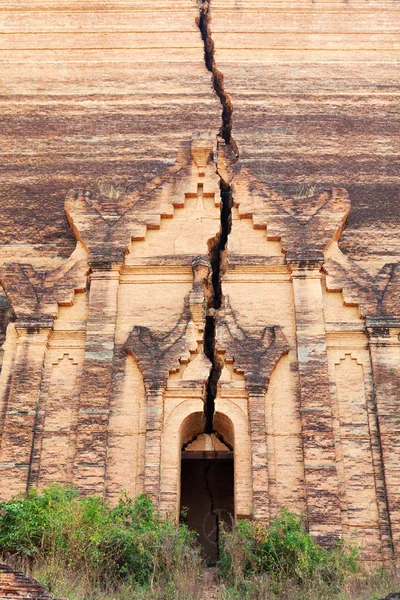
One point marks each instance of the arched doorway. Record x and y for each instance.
(207, 483)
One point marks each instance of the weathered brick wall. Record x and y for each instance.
(135, 308)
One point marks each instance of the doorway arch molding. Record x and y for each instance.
(185, 422)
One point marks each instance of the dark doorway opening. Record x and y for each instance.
(207, 496)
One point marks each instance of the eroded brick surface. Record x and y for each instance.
(17, 586)
(166, 287)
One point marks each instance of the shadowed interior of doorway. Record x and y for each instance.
(207, 490)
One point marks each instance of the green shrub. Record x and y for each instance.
(65, 531)
(282, 551)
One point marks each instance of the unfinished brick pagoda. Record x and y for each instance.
(206, 311)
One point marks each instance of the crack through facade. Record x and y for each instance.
(204, 25)
(218, 246)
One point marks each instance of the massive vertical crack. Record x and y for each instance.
(218, 245)
(217, 249)
(203, 23)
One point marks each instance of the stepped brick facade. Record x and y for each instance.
(180, 284)
(17, 586)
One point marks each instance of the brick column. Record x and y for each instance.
(323, 507)
(154, 426)
(22, 406)
(259, 457)
(94, 402)
(384, 343)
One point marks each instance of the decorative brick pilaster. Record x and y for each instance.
(93, 418)
(384, 343)
(259, 454)
(152, 460)
(323, 507)
(22, 405)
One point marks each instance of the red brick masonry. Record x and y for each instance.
(16, 585)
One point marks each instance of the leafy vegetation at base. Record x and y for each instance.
(81, 548)
(61, 533)
(258, 559)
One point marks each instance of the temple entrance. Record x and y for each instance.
(207, 491)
